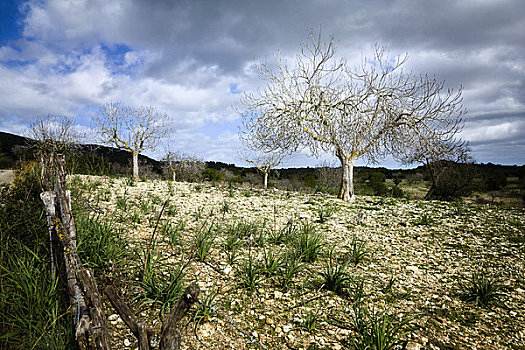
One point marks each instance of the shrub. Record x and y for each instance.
(214, 175)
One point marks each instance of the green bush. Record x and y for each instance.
(214, 175)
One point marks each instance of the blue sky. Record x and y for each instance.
(192, 59)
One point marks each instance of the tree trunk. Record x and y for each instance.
(346, 192)
(135, 165)
(265, 179)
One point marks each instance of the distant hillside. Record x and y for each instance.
(14, 148)
(95, 159)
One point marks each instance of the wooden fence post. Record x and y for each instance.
(91, 326)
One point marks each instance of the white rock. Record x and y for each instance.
(413, 346)
(287, 328)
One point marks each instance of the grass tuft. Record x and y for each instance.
(481, 290)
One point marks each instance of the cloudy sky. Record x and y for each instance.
(192, 59)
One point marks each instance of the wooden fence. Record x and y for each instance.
(89, 316)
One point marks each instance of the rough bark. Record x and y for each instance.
(90, 320)
(170, 338)
(137, 328)
(170, 335)
(346, 191)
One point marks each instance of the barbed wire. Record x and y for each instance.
(230, 321)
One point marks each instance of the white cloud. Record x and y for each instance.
(494, 132)
(184, 56)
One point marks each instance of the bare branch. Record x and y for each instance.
(363, 112)
(131, 129)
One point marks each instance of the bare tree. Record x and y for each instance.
(52, 135)
(448, 164)
(264, 161)
(364, 112)
(131, 129)
(183, 165)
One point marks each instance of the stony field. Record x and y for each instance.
(306, 271)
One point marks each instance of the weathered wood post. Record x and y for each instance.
(90, 321)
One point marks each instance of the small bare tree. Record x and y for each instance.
(52, 135)
(131, 129)
(264, 161)
(363, 112)
(183, 165)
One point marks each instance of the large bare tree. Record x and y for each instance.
(364, 112)
(131, 129)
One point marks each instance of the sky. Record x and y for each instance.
(193, 59)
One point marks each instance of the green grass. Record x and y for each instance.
(308, 242)
(204, 240)
(30, 297)
(482, 290)
(372, 329)
(100, 244)
(358, 250)
(249, 274)
(335, 276)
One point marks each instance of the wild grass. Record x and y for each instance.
(204, 240)
(283, 234)
(249, 274)
(335, 275)
(30, 297)
(482, 290)
(374, 329)
(173, 230)
(325, 212)
(207, 301)
(291, 266)
(311, 320)
(100, 244)
(308, 242)
(161, 283)
(358, 250)
(272, 261)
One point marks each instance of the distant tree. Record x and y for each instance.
(448, 165)
(130, 129)
(328, 175)
(264, 161)
(52, 135)
(183, 165)
(366, 112)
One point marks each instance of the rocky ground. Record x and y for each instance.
(6, 177)
(416, 256)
